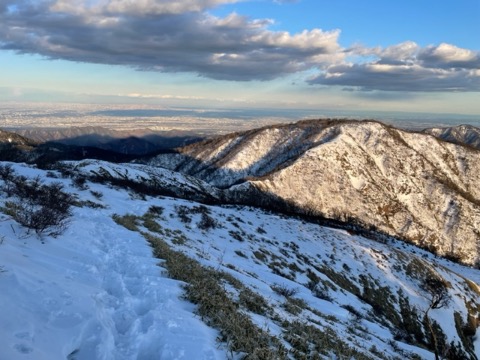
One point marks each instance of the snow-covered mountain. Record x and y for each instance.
(230, 282)
(461, 134)
(406, 184)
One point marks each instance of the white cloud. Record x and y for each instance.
(162, 96)
(406, 67)
(137, 7)
(182, 36)
(452, 53)
(168, 36)
(401, 53)
(449, 56)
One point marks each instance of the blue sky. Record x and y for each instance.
(419, 56)
(375, 22)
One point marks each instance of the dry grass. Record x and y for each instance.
(128, 221)
(214, 305)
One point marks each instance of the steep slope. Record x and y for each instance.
(462, 134)
(144, 179)
(311, 292)
(410, 185)
(93, 293)
(226, 160)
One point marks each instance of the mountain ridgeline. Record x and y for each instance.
(462, 134)
(125, 142)
(410, 185)
(417, 186)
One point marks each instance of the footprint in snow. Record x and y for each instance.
(23, 348)
(64, 319)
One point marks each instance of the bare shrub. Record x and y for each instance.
(7, 175)
(321, 291)
(438, 297)
(46, 209)
(97, 194)
(284, 290)
(183, 213)
(206, 222)
(155, 210)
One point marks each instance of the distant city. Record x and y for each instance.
(202, 121)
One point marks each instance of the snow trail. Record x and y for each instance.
(96, 292)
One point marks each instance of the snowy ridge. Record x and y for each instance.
(96, 292)
(158, 179)
(410, 185)
(461, 134)
(226, 160)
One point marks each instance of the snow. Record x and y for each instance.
(96, 292)
(396, 181)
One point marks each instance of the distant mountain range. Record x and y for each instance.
(47, 145)
(17, 148)
(131, 142)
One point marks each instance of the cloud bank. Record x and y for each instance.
(169, 36)
(406, 67)
(182, 36)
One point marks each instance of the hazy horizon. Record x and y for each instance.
(136, 116)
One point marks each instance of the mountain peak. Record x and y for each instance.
(406, 184)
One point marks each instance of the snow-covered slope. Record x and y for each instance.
(146, 179)
(229, 159)
(96, 292)
(410, 185)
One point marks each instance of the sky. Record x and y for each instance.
(411, 55)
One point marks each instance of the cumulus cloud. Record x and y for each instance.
(406, 67)
(168, 36)
(448, 56)
(137, 7)
(182, 36)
